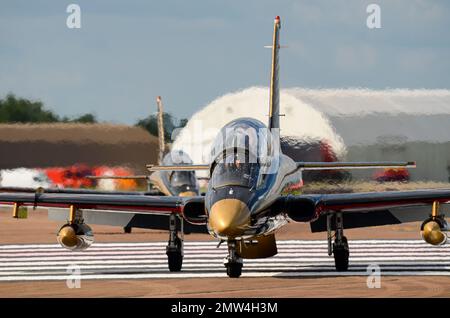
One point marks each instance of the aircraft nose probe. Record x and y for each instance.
(229, 217)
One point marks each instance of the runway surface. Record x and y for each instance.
(295, 258)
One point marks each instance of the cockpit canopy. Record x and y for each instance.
(180, 181)
(234, 169)
(244, 133)
(242, 154)
(176, 157)
(181, 178)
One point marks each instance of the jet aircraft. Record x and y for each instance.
(246, 200)
(171, 183)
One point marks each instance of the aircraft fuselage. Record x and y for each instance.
(248, 174)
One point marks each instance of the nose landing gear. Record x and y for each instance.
(233, 262)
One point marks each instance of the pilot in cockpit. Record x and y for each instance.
(234, 169)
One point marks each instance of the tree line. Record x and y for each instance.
(20, 110)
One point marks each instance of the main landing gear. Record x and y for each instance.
(174, 249)
(233, 262)
(339, 248)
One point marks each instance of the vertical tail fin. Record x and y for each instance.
(160, 130)
(274, 103)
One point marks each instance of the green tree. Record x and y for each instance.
(170, 123)
(86, 119)
(20, 110)
(183, 122)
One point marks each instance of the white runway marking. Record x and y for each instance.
(295, 258)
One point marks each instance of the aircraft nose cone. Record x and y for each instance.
(229, 217)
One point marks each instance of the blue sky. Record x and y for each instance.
(190, 52)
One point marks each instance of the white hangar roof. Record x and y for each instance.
(342, 117)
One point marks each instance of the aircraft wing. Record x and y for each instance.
(365, 209)
(188, 167)
(74, 191)
(133, 210)
(354, 165)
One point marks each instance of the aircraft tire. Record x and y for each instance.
(234, 270)
(175, 261)
(341, 255)
(175, 258)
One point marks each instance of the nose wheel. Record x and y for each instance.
(174, 249)
(233, 262)
(234, 270)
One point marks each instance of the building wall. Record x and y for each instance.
(41, 146)
(433, 159)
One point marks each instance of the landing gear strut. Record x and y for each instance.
(339, 248)
(233, 262)
(174, 249)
